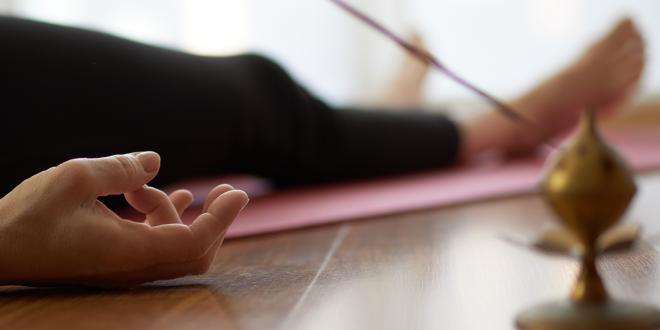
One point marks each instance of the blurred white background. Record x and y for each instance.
(503, 46)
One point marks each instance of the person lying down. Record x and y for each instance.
(70, 93)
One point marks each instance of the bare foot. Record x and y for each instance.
(407, 86)
(602, 77)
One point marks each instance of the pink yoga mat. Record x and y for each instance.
(272, 211)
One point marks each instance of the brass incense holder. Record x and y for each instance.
(589, 187)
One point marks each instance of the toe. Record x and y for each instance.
(624, 30)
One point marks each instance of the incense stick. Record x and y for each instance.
(431, 60)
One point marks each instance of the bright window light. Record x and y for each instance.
(213, 27)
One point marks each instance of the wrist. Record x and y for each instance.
(10, 254)
(5, 266)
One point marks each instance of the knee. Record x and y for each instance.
(265, 68)
(262, 64)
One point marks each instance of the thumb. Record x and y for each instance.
(112, 175)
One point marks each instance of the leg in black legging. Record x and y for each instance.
(70, 93)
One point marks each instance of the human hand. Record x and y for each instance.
(54, 230)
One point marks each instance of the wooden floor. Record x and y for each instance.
(443, 268)
(436, 269)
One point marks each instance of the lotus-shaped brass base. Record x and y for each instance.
(589, 187)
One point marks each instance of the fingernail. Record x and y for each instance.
(247, 199)
(149, 160)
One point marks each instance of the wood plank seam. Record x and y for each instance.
(336, 242)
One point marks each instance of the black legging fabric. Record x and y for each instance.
(68, 93)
